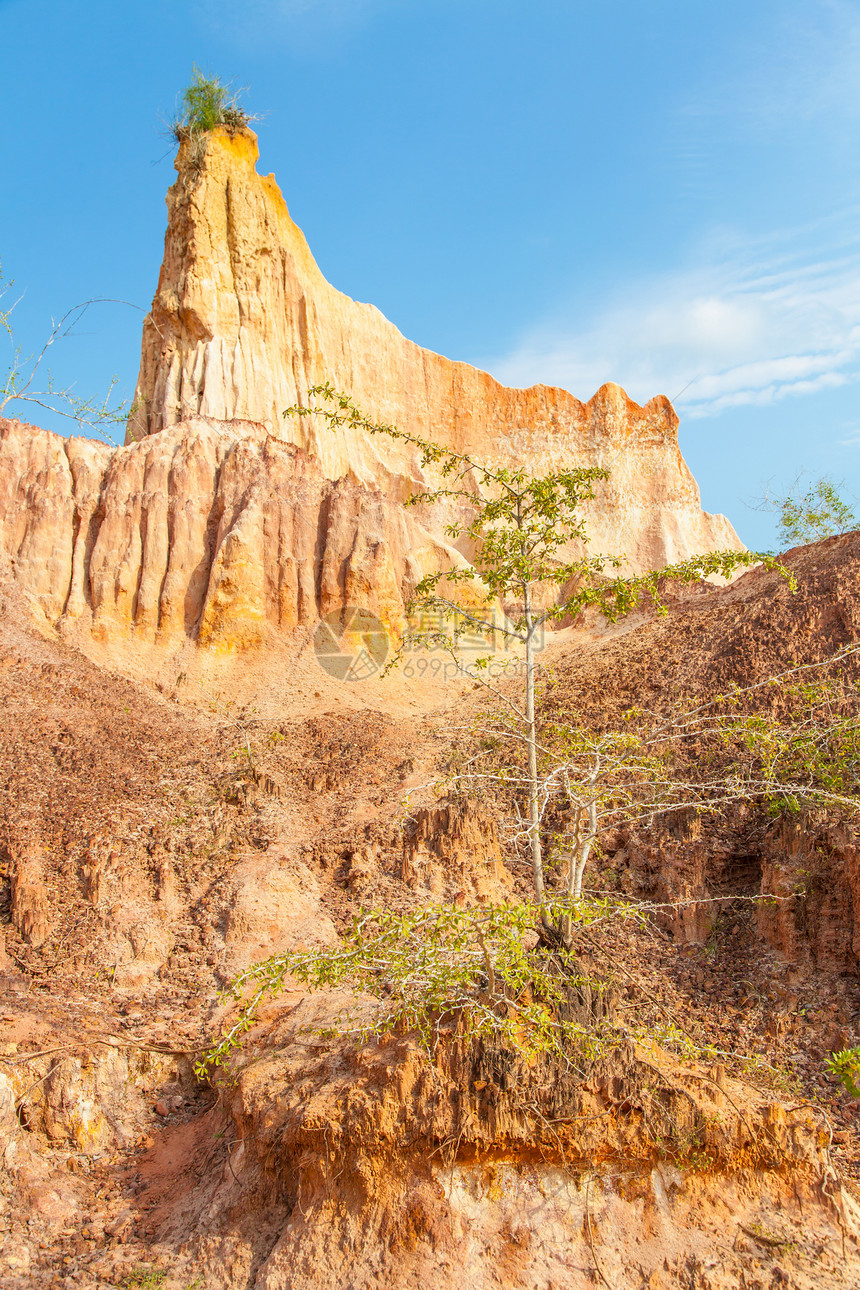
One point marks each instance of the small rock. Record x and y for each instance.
(120, 1225)
(161, 1108)
(17, 1258)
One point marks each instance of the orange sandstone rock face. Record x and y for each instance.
(223, 523)
(210, 531)
(243, 323)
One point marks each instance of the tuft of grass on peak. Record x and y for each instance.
(204, 104)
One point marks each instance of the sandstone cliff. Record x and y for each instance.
(243, 322)
(152, 844)
(211, 531)
(222, 523)
(142, 862)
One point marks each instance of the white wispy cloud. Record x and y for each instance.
(754, 320)
(751, 324)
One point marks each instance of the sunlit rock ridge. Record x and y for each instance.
(221, 523)
(243, 323)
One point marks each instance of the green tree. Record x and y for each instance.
(783, 743)
(509, 971)
(818, 513)
(522, 528)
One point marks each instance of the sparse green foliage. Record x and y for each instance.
(25, 381)
(507, 972)
(531, 542)
(522, 527)
(786, 742)
(845, 1065)
(818, 513)
(491, 971)
(144, 1278)
(5, 314)
(206, 103)
(478, 973)
(438, 968)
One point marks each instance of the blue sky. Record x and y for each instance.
(656, 192)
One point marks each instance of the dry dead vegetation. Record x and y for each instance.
(147, 858)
